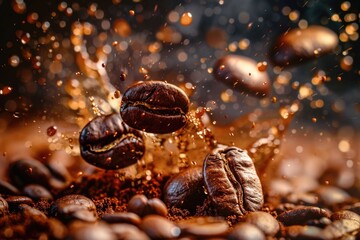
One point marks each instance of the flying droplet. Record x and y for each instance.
(186, 19)
(262, 66)
(51, 131)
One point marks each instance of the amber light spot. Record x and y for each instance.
(262, 66)
(186, 19)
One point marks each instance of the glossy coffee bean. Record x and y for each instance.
(15, 201)
(122, 217)
(4, 207)
(125, 231)
(157, 227)
(330, 195)
(74, 206)
(37, 192)
(264, 221)
(232, 182)
(106, 142)
(241, 73)
(345, 214)
(204, 227)
(156, 206)
(137, 204)
(32, 213)
(301, 215)
(246, 231)
(154, 107)
(185, 189)
(8, 188)
(340, 228)
(298, 45)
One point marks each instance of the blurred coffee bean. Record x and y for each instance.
(4, 207)
(157, 227)
(353, 207)
(137, 204)
(122, 217)
(156, 206)
(74, 206)
(330, 195)
(300, 232)
(58, 170)
(232, 182)
(345, 214)
(298, 45)
(155, 107)
(99, 231)
(185, 189)
(242, 74)
(128, 232)
(264, 221)
(301, 198)
(300, 215)
(204, 227)
(7, 188)
(15, 201)
(37, 192)
(340, 228)
(57, 230)
(32, 213)
(246, 231)
(321, 223)
(26, 171)
(106, 142)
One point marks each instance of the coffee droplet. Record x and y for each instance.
(186, 19)
(299, 45)
(262, 66)
(242, 74)
(51, 131)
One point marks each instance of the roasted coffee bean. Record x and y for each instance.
(345, 214)
(298, 45)
(32, 213)
(81, 231)
(246, 231)
(155, 107)
(303, 232)
(57, 167)
(128, 232)
(264, 221)
(122, 217)
(106, 142)
(137, 204)
(74, 206)
(330, 195)
(185, 190)
(7, 188)
(157, 227)
(26, 171)
(204, 227)
(15, 201)
(341, 227)
(57, 230)
(242, 74)
(232, 183)
(156, 206)
(321, 222)
(301, 215)
(4, 207)
(353, 207)
(301, 198)
(37, 192)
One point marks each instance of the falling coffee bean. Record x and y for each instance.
(232, 183)
(242, 74)
(298, 45)
(154, 107)
(106, 142)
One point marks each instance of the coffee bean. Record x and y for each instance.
(301, 198)
(122, 217)
(242, 74)
(330, 195)
(264, 221)
(137, 204)
(321, 222)
(157, 227)
(185, 190)
(246, 231)
(26, 171)
(353, 207)
(106, 142)
(204, 227)
(299, 232)
(128, 232)
(74, 206)
(341, 227)
(57, 230)
(8, 188)
(37, 192)
(298, 45)
(232, 183)
(32, 213)
(81, 231)
(155, 107)
(345, 214)
(300, 215)
(15, 201)
(4, 207)
(156, 206)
